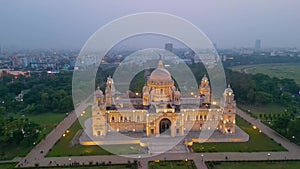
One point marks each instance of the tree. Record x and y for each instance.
(262, 97)
(281, 124)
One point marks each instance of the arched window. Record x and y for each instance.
(161, 91)
(200, 117)
(204, 117)
(121, 118)
(112, 118)
(197, 118)
(138, 118)
(188, 118)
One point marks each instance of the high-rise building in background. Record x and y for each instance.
(169, 47)
(257, 45)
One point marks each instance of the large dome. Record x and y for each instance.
(160, 74)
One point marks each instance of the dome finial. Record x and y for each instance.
(229, 85)
(160, 63)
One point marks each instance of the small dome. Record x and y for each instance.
(204, 78)
(98, 91)
(228, 90)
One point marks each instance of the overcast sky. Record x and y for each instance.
(69, 23)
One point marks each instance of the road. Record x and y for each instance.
(35, 156)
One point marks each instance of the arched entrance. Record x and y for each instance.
(164, 126)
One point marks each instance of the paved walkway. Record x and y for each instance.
(37, 153)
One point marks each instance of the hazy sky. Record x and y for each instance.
(69, 23)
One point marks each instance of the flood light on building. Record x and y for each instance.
(254, 127)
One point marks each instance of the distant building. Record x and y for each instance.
(257, 45)
(169, 47)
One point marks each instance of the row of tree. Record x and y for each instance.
(262, 89)
(41, 93)
(17, 131)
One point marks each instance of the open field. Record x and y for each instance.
(7, 165)
(284, 70)
(112, 166)
(46, 118)
(258, 142)
(172, 164)
(256, 165)
(47, 122)
(264, 109)
(64, 147)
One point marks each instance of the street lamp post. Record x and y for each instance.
(202, 159)
(269, 156)
(293, 138)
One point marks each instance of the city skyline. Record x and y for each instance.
(68, 24)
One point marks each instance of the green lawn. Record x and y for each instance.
(46, 118)
(264, 109)
(15, 151)
(256, 165)
(47, 122)
(7, 165)
(112, 166)
(172, 164)
(284, 70)
(64, 148)
(258, 142)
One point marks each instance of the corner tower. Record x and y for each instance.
(99, 116)
(229, 111)
(204, 91)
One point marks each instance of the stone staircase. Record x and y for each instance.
(166, 144)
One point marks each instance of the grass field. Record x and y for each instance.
(264, 109)
(256, 165)
(47, 122)
(258, 142)
(189, 164)
(112, 166)
(64, 148)
(7, 165)
(284, 70)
